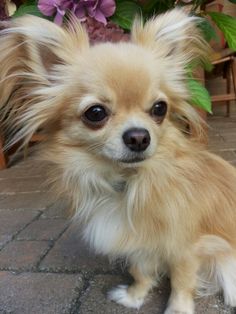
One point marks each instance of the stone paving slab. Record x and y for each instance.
(70, 253)
(224, 146)
(30, 200)
(36, 293)
(59, 209)
(216, 139)
(28, 168)
(19, 185)
(22, 255)
(21, 172)
(227, 155)
(43, 229)
(11, 222)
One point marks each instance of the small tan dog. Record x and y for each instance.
(144, 190)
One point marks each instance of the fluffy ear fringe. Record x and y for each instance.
(173, 34)
(190, 122)
(33, 52)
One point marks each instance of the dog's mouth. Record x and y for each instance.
(132, 160)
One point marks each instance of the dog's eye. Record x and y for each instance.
(95, 116)
(159, 110)
(95, 113)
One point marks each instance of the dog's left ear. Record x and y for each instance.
(173, 34)
(36, 57)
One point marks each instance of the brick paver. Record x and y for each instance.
(36, 293)
(59, 209)
(46, 268)
(11, 222)
(21, 185)
(30, 200)
(22, 255)
(43, 229)
(70, 253)
(25, 169)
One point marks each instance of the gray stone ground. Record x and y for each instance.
(45, 268)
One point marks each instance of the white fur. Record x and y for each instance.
(120, 295)
(219, 273)
(104, 229)
(226, 277)
(86, 102)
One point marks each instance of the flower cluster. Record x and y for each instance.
(99, 32)
(96, 9)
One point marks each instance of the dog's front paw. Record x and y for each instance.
(122, 296)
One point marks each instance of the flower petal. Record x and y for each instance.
(80, 12)
(107, 7)
(99, 16)
(47, 7)
(59, 18)
(66, 4)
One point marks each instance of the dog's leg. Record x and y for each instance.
(132, 296)
(183, 284)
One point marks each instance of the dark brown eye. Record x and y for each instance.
(95, 116)
(159, 110)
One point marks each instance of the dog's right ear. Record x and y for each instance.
(34, 56)
(172, 35)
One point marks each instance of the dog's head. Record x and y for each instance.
(110, 100)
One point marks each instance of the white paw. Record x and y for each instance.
(120, 295)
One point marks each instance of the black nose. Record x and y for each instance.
(136, 139)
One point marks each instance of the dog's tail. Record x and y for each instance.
(218, 271)
(33, 56)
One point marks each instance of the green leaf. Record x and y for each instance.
(30, 2)
(227, 24)
(208, 30)
(199, 95)
(153, 7)
(28, 9)
(233, 1)
(125, 13)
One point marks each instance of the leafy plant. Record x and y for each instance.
(125, 13)
(199, 95)
(227, 24)
(28, 9)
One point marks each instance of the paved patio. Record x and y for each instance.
(44, 266)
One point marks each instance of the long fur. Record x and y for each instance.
(174, 212)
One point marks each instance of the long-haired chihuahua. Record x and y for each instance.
(143, 189)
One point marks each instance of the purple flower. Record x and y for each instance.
(98, 32)
(97, 9)
(50, 7)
